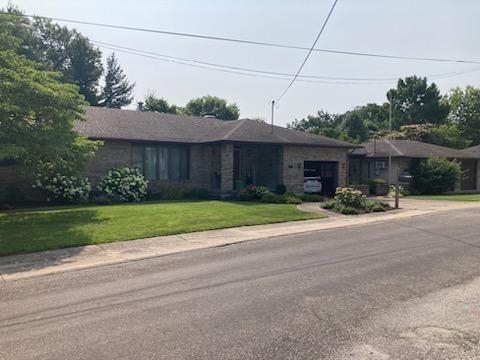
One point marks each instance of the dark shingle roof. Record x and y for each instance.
(409, 149)
(474, 150)
(102, 123)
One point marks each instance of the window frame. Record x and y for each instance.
(157, 147)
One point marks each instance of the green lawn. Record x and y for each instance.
(52, 228)
(456, 197)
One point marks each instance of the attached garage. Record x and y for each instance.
(328, 173)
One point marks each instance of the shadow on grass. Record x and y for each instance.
(25, 235)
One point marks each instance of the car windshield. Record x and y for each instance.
(310, 173)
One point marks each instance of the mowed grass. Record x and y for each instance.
(453, 197)
(53, 228)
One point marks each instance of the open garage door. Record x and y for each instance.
(328, 172)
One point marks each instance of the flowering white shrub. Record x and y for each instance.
(123, 184)
(63, 187)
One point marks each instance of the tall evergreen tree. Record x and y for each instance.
(118, 90)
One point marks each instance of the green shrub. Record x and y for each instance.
(124, 185)
(63, 187)
(172, 193)
(436, 176)
(372, 184)
(280, 189)
(251, 192)
(311, 198)
(329, 205)
(272, 198)
(291, 198)
(348, 210)
(350, 197)
(199, 194)
(374, 206)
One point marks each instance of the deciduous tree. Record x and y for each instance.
(416, 102)
(465, 112)
(212, 105)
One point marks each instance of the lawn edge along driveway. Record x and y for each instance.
(32, 230)
(448, 197)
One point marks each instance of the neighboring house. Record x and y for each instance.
(220, 156)
(371, 161)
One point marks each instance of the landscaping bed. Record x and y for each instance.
(349, 201)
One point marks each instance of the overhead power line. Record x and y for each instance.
(266, 74)
(156, 57)
(309, 52)
(101, 43)
(244, 41)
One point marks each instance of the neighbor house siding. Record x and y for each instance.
(294, 157)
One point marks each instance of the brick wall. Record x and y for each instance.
(111, 154)
(119, 154)
(294, 156)
(226, 168)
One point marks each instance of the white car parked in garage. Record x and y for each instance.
(312, 183)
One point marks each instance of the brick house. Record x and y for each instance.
(201, 152)
(371, 161)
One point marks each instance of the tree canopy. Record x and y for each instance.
(202, 106)
(58, 48)
(160, 105)
(465, 112)
(419, 113)
(37, 114)
(416, 102)
(212, 105)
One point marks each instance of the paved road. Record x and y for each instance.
(399, 290)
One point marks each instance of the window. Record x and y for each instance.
(380, 164)
(161, 162)
(150, 169)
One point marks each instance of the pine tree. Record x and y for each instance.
(118, 90)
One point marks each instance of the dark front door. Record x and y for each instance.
(328, 172)
(469, 177)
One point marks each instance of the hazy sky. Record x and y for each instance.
(427, 28)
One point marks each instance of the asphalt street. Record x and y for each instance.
(405, 289)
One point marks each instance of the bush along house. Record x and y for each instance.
(192, 152)
(371, 162)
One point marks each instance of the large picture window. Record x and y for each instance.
(161, 162)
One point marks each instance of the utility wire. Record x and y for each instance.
(243, 41)
(309, 52)
(123, 50)
(265, 74)
(101, 43)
